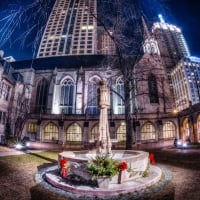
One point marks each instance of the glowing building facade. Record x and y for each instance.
(171, 42)
(58, 91)
(70, 30)
(186, 82)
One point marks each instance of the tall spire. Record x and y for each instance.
(146, 30)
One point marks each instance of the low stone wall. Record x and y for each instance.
(137, 161)
(152, 187)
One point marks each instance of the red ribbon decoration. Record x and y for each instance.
(152, 158)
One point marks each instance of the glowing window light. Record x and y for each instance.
(90, 27)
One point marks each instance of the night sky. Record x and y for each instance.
(183, 13)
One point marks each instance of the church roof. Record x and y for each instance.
(60, 62)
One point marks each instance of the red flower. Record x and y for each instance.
(152, 158)
(63, 167)
(62, 162)
(123, 166)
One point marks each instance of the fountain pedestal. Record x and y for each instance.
(104, 143)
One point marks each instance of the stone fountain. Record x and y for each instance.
(129, 181)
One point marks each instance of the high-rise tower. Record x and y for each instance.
(70, 30)
(171, 42)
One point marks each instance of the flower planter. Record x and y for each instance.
(103, 182)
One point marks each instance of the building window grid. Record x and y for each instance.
(74, 133)
(121, 132)
(92, 107)
(94, 133)
(169, 130)
(120, 91)
(148, 132)
(67, 94)
(32, 127)
(50, 132)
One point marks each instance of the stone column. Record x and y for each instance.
(104, 142)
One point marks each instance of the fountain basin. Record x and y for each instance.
(138, 163)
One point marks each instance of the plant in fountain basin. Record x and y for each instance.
(104, 167)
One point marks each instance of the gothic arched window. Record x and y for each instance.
(92, 102)
(169, 130)
(121, 132)
(153, 89)
(67, 94)
(148, 131)
(50, 132)
(120, 91)
(41, 96)
(74, 133)
(94, 133)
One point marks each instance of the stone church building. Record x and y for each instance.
(54, 100)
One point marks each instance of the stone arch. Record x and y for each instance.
(121, 132)
(148, 131)
(95, 79)
(197, 138)
(185, 128)
(67, 90)
(41, 95)
(64, 78)
(94, 132)
(50, 132)
(74, 133)
(120, 95)
(92, 100)
(169, 130)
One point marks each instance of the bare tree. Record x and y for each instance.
(18, 110)
(124, 18)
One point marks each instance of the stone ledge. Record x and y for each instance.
(142, 191)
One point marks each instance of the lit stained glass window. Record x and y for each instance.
(50, 132)
(169, 130)
(74, 133)
(148, 131)
(94, 133)
(121, 132)
(32, 127)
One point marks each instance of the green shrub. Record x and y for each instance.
(103, 165)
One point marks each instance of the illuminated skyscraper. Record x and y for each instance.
(185, 79)
(70, 30)
(106, 45)
(171, 42)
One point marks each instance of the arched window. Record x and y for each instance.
(74, 133)
(94, 133)
(92, 104)
(41, 96)
(153, 89)
(120, 91)
(169, 130)
(148, 132)
(67, 94)
(32, 127)
(121, 132)
(50, 132)
(186, 129)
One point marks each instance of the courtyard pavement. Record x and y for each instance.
(184, 165)
(7, 151)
